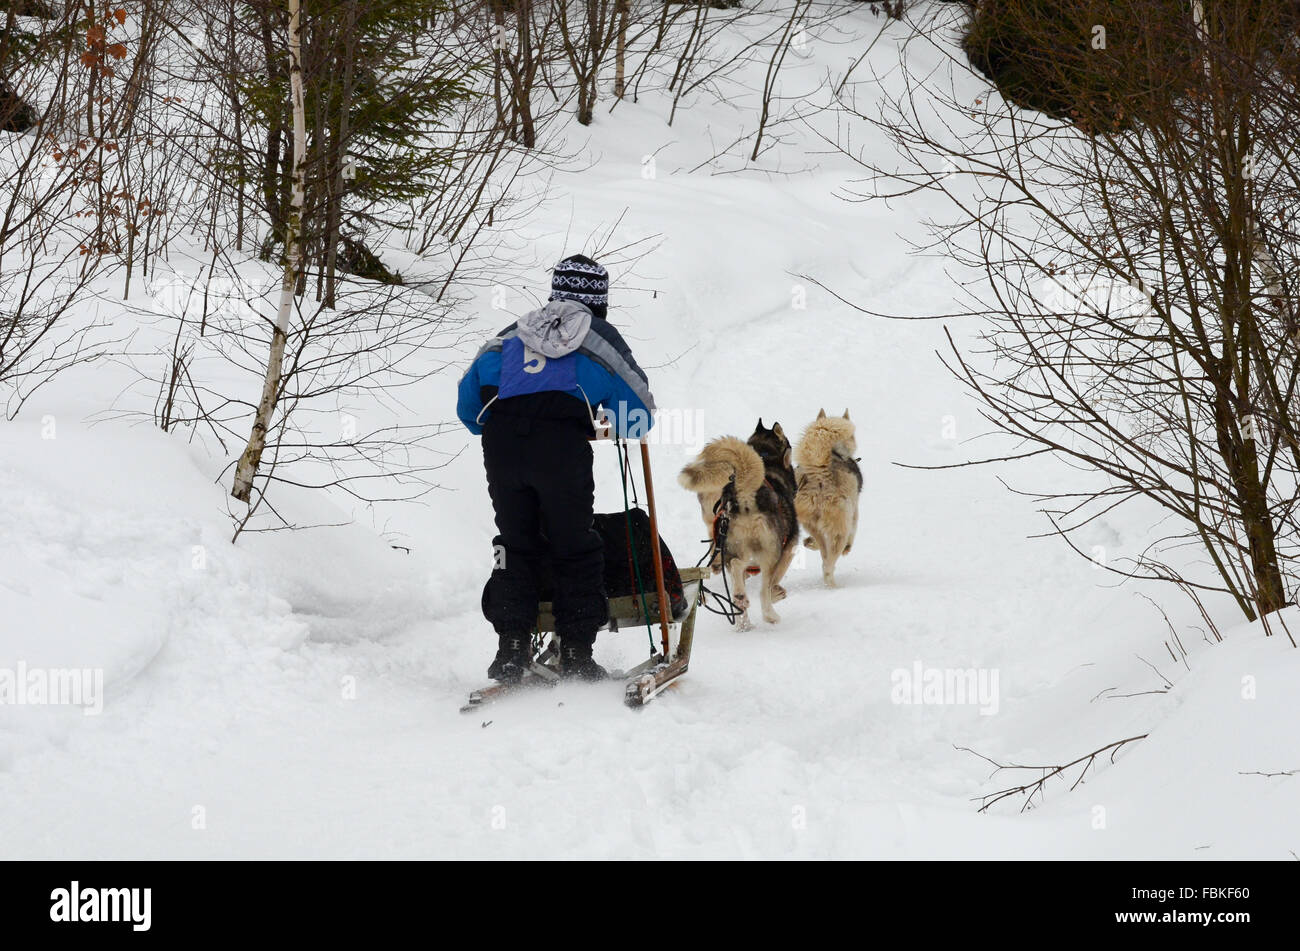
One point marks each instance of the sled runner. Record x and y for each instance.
(643, 682)
(669, 659)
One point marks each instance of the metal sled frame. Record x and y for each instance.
(648, 679)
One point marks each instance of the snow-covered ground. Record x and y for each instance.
(297, 694)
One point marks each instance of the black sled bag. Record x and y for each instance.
(620, 569)
(620, 574)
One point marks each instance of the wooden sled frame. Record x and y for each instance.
(648, 679)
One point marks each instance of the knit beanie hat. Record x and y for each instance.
(579, 278)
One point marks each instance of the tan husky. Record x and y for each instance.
(763, 530)
(828, 485)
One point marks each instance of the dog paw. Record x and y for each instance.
(829, 581)
(771, 617)
(778, 592)
(810, 542)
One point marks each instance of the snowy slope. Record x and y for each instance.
(296, 694)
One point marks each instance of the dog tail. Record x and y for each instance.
(820, 439)
(718, 462)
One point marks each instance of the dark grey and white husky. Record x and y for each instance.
(753, 483)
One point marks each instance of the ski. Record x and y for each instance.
(641, 684)
(531, 681)
(490, 694)
(639, 689)
(538, 675)
(644, 682)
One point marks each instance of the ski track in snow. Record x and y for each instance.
(230, 684)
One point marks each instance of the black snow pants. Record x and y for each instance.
(540, 480)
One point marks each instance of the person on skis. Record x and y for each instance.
(532, 392)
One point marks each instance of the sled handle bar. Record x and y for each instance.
(656, 554)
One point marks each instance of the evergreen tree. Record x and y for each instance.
(377, 83)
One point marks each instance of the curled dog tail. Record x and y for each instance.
(820, 439)
(718, 462)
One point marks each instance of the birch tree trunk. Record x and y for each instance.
(620, 53)
(252, 457)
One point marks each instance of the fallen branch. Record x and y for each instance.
(1036, 788)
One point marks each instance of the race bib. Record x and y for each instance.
(526, 371)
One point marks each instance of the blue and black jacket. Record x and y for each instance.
(557, 362)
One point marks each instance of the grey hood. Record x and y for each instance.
(556, 329)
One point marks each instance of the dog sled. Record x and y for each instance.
(670, 614)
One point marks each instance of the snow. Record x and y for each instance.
(296, 694)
